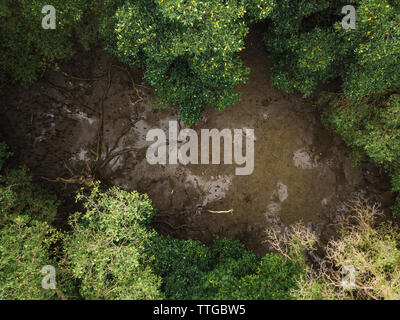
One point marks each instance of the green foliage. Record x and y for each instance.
(20, 196)
(113, 253)
(396, 208)
(313, 63)
(27, 49)
(24, 249)
(106, 251)
(304, 45)
(190, 270)
(370, 126)
(181, 264)
(27, 241)
(376, 49)
(309, 46)
(275, 278)
(189, 49)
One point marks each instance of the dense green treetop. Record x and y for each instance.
(188, 49)
(309, 45)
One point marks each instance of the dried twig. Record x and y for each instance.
(230, 211)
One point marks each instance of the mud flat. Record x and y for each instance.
(301, 171)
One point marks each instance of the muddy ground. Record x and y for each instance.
(301, 172)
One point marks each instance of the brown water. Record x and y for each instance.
(301, 171)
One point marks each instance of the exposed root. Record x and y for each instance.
(78, 78)
(101, 157)
(134, 85)
(61, 295)
(101, 112)
(110, 154)
(85, 178)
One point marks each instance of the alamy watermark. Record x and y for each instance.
(349, 277)
(49, 20)
(188, 151)
(49, 279)
(349, 20)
